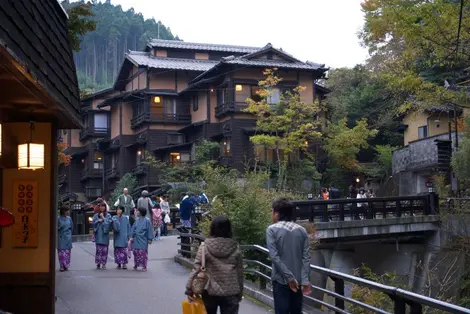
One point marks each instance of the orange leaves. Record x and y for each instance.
(62, 157)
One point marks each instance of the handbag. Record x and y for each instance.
(201, 279)
(195, 307)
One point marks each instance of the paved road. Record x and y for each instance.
(84, 289)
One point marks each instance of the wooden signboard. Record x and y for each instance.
(25, 202)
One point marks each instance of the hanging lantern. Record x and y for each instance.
(6, 218)
(31, 155)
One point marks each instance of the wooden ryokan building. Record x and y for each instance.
(38, 96)
(164, 100)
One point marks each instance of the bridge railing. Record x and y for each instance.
(404, 301)
(367, 208)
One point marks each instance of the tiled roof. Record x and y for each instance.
(144, 59)
(273, 63)
(177, 44)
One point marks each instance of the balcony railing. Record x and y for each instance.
(229, 107)
(61, 178)
(91, 173)
(175, 118)
(140, 169)
(92, 131)
(112, 173)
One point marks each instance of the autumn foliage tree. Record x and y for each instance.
(285, 127)
(63, 158)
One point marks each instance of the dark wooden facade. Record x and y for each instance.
(176, 93)
(38, 83)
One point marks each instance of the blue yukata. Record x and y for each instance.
(101, 231)
(64, 243)
(142, 233)
(122, 233)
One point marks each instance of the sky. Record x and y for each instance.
(322, 31)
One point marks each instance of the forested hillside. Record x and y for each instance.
(102, 51)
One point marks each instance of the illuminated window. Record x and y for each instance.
(140, 157)
(175, 158)
(238, 88)
(157, 99)
(225, 147)
(98, 160)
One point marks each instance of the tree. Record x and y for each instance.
(128, 181)
(343, 143)
(79, 22)
(285, 127)
(460, 159)
(381, 170)
(63, 158)
(413, 46)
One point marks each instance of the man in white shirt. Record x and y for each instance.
(126, 201)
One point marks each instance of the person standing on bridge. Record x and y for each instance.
(125, 200)
(141, 236)
(64, 244)
(122, 233)
(289, 249)
(101, 226)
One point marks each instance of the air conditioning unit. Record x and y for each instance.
(175, 139)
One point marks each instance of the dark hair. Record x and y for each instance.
(63, 210)
(157, 205)
(142, 211)
(284, 207)
(121, 207)
(221, 227)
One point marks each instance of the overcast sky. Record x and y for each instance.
(323, 31)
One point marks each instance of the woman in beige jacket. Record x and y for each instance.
(224, 266)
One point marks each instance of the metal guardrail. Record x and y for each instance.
(367, 208)
(404, 301)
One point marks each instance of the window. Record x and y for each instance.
(101, 122)
(225, 147)
(195, 102)
(274, 97)
(93, 192)
(242, 92)
(114, 161)
(222, 96)
(173, 139)
(98, 160)
(264, 154)
(423, 131)
(175, 158)
(140, 156)
(169, 105)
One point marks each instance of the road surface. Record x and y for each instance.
(84, 289)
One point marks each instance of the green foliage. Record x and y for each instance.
(382, 168)
(79, 22)
(207, 151)
(117, 31)
(461, 158)
(298, 172)
(244, 202)
(344, 143)
(413, 48)
(128, 181)
(370, 296)
(287, 126)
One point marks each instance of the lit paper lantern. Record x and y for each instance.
(6, 218)
(31, 156)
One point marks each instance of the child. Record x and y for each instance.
(122, 233)
(157, 221)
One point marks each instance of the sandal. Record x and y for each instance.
(61, 269)
(118, 266)
(103, 267)
(124, 266)
(144, 269)
(98, 266)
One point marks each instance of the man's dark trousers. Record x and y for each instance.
(286, 301)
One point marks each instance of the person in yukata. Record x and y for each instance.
(141, 237)
(102, 222)
(64, 244)
(157, 221)
(122, 233)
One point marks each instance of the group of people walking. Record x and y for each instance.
(133, 229)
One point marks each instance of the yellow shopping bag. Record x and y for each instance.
(195, 307)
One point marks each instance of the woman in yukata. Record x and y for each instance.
(64, 244)
(102, 222)
(141, 236)
(122, 233)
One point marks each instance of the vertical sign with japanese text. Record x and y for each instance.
(25, 208)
